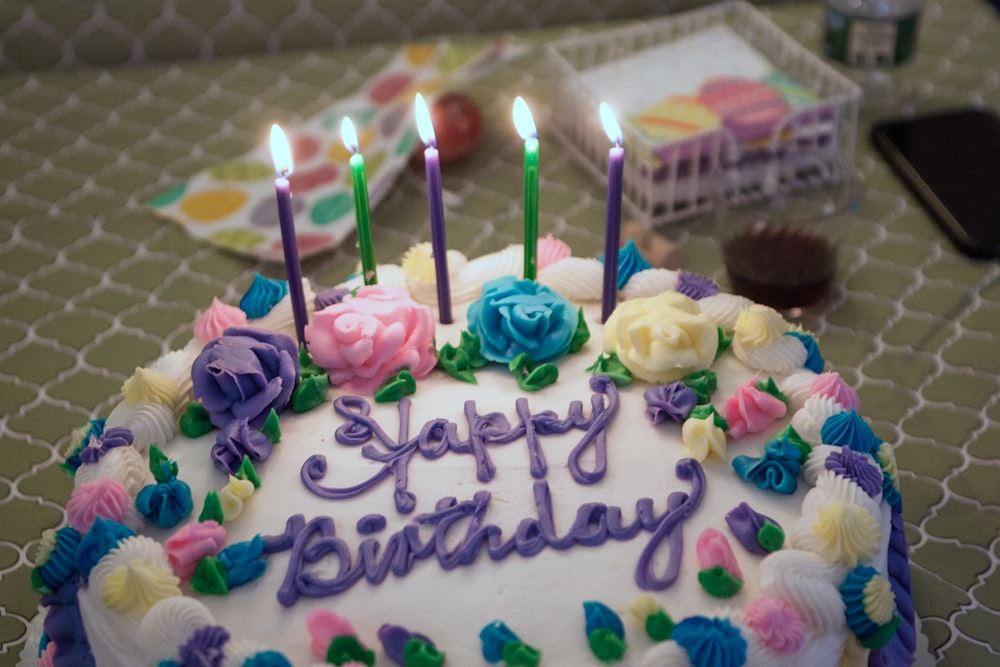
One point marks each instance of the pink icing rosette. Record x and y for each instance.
(105, 498)
(751, 410)
(213, 322)
(551, 250)
(365, 339)
(194, 541)
(777, 624)
(832, 386)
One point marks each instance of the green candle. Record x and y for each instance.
(362, 210)
(525, 125)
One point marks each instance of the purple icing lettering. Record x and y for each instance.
(439, 436)
(462, 524)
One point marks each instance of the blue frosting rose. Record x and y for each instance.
(244, 374)
(520, 316)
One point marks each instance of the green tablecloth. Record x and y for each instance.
(93, 284)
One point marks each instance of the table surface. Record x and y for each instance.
(92, 284)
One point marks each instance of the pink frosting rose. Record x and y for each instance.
(194, 541)
(323, 625)
(714, 550)
(367, 338)
(777, 624)
(213, 322)
(751, 410)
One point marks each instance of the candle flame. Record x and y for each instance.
(611, 126)
(349, 135)
(523, 121)
(425, 128)
(281, 152)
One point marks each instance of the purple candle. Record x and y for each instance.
(281, 153)
(613, 223)
(439, 246)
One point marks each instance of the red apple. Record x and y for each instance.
(458, 125)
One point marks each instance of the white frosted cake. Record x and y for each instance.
(686, 485)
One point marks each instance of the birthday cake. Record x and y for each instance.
(683, 484)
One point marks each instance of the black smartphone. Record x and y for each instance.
(951, 162)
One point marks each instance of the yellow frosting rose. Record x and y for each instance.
(662, 338)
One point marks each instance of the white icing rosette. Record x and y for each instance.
(815, 465)
(124, 464)
(575, 278)
(839, 520)
(150, 423)
(725, 309)
(807, 582)
(809, 419)
(281, 318)
(507, 262)
(666, 654)
(796, 387)
(649, 283)
(169, 624)
(759, 341)
(176, 365)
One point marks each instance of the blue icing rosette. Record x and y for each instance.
(848, 429)
(814, 360)
(267, 659)
(711, 642)
(262, 295)
(869, 606)
(60, 564)
(630, 262)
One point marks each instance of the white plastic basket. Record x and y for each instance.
(666, 182)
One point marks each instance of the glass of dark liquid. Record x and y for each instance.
(780, 245)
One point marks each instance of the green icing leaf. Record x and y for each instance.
(703, 383)
(210, 577)
(519, 654)
(248, 472)
(719, 583)
(581, 335)
(38, 584)
(659, 626)
(769, 386)
(195, 422)
(531, 377)
(606, 645)
(470, 343)
(455, 362)
(418, 653)
(212, 510)
(395, 388)
(881, 637)
(708, 410)
(163, 469)
(309, 393)
(724, 343)
(770, 537)
(272, 428)
(611, 366)
(308, 367)
(345, 649)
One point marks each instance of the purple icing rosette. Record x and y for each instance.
(244, 374)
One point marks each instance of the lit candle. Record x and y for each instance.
(281, 153)
(362, 211)
(525, 125)
(613, 223)
(439, 247)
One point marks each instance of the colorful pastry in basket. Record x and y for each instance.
(687, 483)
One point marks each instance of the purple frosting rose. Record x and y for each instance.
(673, 401)
(244, 374)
